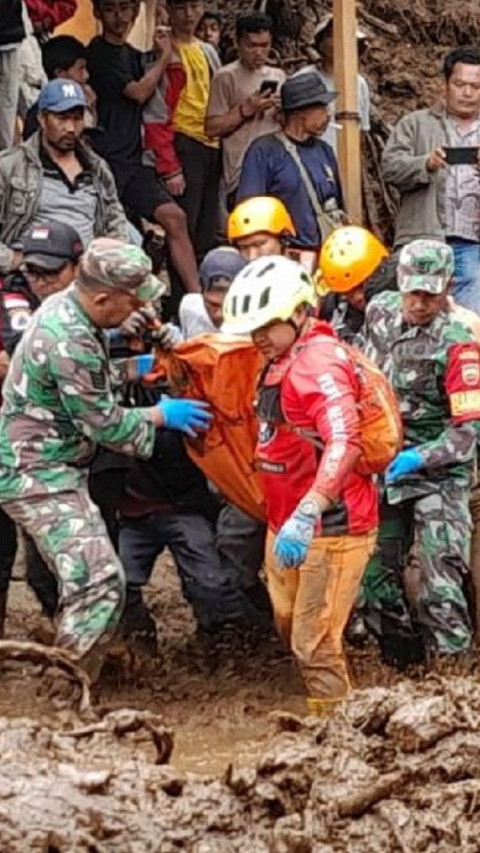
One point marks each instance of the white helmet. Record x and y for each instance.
(267, 289)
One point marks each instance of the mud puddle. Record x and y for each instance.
(220, 713)
(218, 760)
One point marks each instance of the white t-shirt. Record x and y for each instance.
(330, 134)
(194, 319)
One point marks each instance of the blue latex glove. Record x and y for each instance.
(407, 462)
(293, 539)
(144, 363)
(189, 416)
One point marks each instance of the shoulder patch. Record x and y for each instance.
(462, 382)
(98, 380)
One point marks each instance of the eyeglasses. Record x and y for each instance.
(35, 274)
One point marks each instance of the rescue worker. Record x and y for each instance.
(433, 363)
(260, 226)
(168, 504)
(353, 266)
(321, 513)
(240, 539)
(351, 257)
(58, 404)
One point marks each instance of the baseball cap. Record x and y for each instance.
(220, 266)
(326, 22)
(50, 244)
(426, 265)
(60, 95)
(119, 266)
(305, 89)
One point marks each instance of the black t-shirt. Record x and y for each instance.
(111, 68)
(31, 124)
(11, 23)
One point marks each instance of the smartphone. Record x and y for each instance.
(467, 156)
(268, 87)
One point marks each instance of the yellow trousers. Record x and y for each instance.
(311, 606)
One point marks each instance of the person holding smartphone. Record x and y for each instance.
(244, 99)
(432, 158)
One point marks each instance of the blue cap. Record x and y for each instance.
(60, 95)
(220, 266)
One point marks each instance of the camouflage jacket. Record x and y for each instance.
(58, 404)
(420, 362)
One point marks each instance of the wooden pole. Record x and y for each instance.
(346, 74)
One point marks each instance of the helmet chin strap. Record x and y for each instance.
(297, 327)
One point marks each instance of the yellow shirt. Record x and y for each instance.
(189, 116)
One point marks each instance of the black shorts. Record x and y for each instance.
(143, 192)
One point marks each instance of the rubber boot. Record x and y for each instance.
(3, 610)
(401, 650)
(321, 707)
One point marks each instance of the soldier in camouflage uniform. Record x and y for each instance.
(433, 363)
(58, 404)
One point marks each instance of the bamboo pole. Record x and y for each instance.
(346, 76)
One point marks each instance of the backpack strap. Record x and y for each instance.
(325, 223)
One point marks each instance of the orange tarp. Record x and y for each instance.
(224, 371)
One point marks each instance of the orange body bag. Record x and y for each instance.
(224, 371)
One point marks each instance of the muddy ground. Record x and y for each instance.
(213, 756)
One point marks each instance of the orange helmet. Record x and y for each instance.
(348, 257)
(261, 213)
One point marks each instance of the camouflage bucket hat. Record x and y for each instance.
(426, 265)
(119, 266)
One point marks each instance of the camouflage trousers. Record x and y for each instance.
(427, 608)
(70, 534)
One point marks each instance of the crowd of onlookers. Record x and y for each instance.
(173, 124)
(187, 136)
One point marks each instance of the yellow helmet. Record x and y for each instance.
(267, 289)
(348, 257)
(261, 213)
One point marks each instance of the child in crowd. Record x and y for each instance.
(181, 152)
(210, 28)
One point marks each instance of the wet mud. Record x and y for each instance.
(213, 754)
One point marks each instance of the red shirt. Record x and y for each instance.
(314, 389)
(50, 13)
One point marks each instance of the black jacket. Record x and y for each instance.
(17, 304)
(11, 22)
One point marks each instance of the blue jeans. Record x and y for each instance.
(466, 284)
(210, 587)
